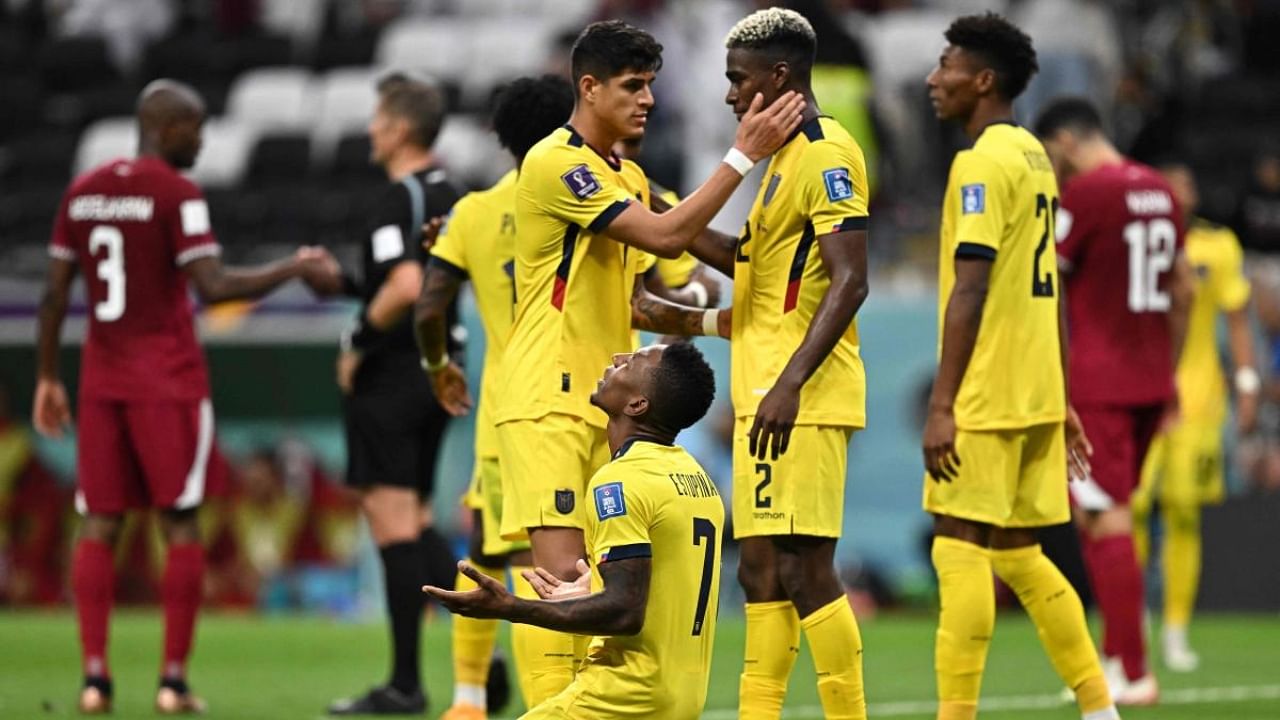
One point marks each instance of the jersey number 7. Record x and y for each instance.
(704, 529)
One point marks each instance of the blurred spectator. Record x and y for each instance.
(127, 26)
(1078, 48)
(32, 519)
(1257, 218)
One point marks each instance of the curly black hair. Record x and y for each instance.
(682, 386)
(529, 109)
(1001, 45)
(606, 49)
(1069, 113)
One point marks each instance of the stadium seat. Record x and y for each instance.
(247, 52)
(279, 159)
(224, 158)
(347, 100)
(22, 92)
(445, 47)
(525, 47)
(196, 58)
(351, 166)
(344, 50)
(471, 152)
(276, 98)
(75, 63)
(104, 140)
(43, 158)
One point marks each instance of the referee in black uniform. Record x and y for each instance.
(393, 423)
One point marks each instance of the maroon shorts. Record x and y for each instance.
(134, 454)
(1120, 437)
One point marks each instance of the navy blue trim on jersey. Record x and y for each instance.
(975, 251)
(627, 552)
(607, 215)
(439, 262)
(813, 129)
(798, 262)
(626, 444)
(566, 263)
(576, 140)
(852, 223)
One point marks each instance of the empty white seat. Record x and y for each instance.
(346, 100)
(106, 139)
(224, 158)
(273, 98)
(471, 151)
(441, 46)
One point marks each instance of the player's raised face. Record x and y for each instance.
(623, 101)
(624, 388)
(750, 72)
(957, 83)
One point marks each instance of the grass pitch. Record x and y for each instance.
(291, 667)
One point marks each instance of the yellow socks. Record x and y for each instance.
(473, 642)
(544, 658)
(836, 646)
(1058, 615)
(773, 642)
(1181, 559)
(965, 623)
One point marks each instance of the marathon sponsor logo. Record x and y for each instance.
(764, 515)
(137, 208)
(696, 485)
(1149, 202)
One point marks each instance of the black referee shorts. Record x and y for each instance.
(394, 434)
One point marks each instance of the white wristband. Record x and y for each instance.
(711, 322)
(1248, 382)
(437, 366)
(739, 161)
(699, 293)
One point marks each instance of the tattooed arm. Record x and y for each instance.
(617, 610)
(439, 288)
(652, 313)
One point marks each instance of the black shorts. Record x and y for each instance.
(394, 436)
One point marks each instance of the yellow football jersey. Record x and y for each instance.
(1001, 203)
(478, 242)
(815, 185)
(573, 283)
(655, 500)
(1221, 287)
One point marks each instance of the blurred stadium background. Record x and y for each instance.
(289, 85)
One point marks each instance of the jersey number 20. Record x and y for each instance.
(110, 271)
(704, 531)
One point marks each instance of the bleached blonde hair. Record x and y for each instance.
(763, 26)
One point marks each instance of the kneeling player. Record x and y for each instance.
(654, 513)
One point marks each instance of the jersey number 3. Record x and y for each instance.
(110, 271)
(704, 531)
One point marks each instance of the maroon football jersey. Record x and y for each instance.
(131, 225)
(1119, 231)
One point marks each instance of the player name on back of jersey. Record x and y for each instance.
(138, 208)
(1149, 202)
(696, 485)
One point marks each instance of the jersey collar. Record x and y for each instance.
(811, 129)
(626, 444)
(576, 140)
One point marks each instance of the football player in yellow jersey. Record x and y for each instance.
(653, 516)
(584, 230)
(1184, 467)
(478, 244)
(994, 442)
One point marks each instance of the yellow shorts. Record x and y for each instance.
(600, 694)
(1183, 467)
(546, 464)
(800, 493)
(485, 494)
(1008, 478)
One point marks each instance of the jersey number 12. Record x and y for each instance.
(1152, 245)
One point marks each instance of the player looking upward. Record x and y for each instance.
(478, 244)
(140, 231)
(1128, 287)
(654, 521)
(994, 443)
(1184, 467)
(583, 220)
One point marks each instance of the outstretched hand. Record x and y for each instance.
(765, 129)
(319, 270)
(490, 599)
(51, 411)
(550, 587)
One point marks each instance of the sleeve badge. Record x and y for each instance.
(610, 501)
(973, 199)
(838, 185)
(581, 182)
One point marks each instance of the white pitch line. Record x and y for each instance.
(1184, 696)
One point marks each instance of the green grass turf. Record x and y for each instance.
(287, 667)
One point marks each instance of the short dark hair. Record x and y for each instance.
(609, 48)
(681, 388)
(529, 109)
(1074, 114)
(779, 34)
(1001, 45)
(417, 99)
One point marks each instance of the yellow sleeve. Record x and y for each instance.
(567, 188)
(832, 187)
(980, 184)
(620, 517)
(451, 243)
(644, 261)
(1233, 287)
(677, 273)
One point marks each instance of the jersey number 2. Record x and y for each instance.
(1042, 285)
(110, 271)
(704, 529)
